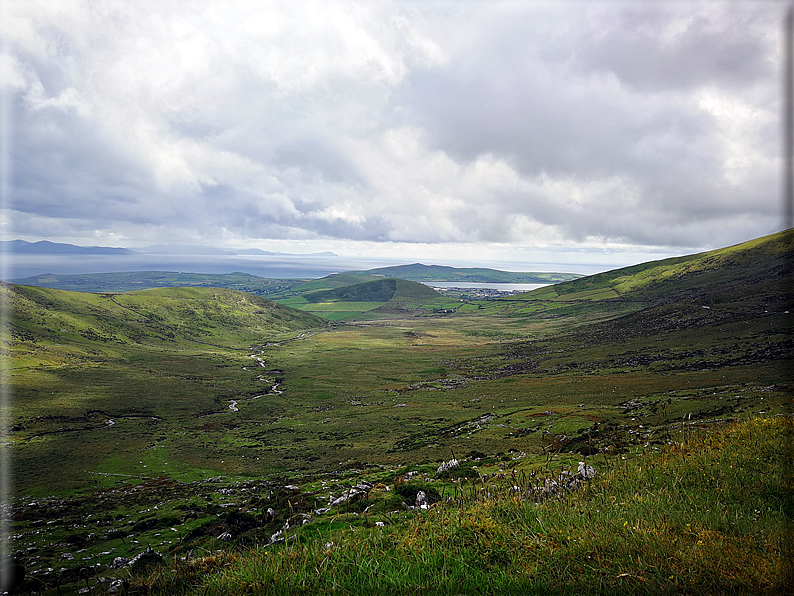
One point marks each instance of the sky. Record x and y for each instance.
(466, 131)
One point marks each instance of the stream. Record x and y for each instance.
(274, 390)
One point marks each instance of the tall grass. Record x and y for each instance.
(711, 515)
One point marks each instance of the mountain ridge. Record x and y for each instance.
(55, 248)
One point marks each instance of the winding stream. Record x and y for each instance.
(110, 421)
(258, 356)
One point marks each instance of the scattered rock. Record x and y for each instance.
(145, 559)
(447, 465)
(585, 471)
(348, 496)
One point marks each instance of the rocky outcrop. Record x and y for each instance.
(447, 465)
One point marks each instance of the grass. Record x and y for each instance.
(138, 280)
(122, 405)
(327, 307)
(380, 393)
(710, 514)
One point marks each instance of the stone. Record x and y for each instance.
(421, 500)
(119, 562)
(448, 465)
(585, 471)
(145, 559)
(346, 497)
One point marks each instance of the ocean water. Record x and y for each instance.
(272, 266)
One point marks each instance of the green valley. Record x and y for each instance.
(208, 423)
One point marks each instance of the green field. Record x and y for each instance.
(207, 402)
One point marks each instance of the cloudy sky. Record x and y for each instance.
(463, 130)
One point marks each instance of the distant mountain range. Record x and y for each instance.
(58, 248)
(45, 247)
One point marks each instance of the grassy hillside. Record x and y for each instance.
(330, 282)
(710, 514)
(137, 280)
(719, 272)
(140, 363)
(348, 301)
(178, 418)
(214, 316)
(429, 273)
(748, 276)
(381, 290)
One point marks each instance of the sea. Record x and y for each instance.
(276, 266)
(20, 266)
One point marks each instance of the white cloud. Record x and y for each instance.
(498, 122)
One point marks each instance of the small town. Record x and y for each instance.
(476, 293)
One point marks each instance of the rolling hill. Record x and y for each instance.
(202, 315)
(748, 276)
(208, 421)
(441, 273)
(724, 271)
(129, 281)
(382, 290)
(367, 299)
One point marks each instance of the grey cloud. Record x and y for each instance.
(63, 168)
(552, 109)
(722, 45)
(268, 136)
(317, 155)
(374, 229)
(544, 125)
